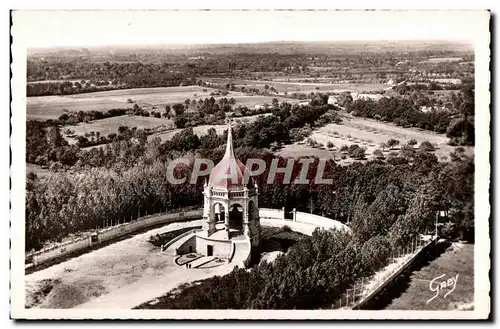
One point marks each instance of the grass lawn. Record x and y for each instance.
(413, 292)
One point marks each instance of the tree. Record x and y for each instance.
(407, 151)
(391, 143)
(412, 142)
(178, 109)
(378, 154)
(375, 252)
(167, 109)
(122, 129)
(356, 152)
(330, 145)
(180, 121)
(426, 146)
(275, 103)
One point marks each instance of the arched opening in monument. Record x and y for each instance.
(219, 212)
(236, 217)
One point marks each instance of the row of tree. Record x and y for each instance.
(457, 122)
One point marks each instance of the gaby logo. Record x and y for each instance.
(437, 285)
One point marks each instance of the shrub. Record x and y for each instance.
(427, 146)
(391, 143)
(412, 142)
(378, 153)
(357, 153)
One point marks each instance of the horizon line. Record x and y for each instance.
(212, 43)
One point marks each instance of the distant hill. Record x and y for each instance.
(284, 47)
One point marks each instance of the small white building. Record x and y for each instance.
(260, 107)
(333, 100)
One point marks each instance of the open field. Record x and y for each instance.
(37, 169)
(198, 130)
(251, 101)
(457, 259)
(437, 60)
(110, 125)
(369, 134)
(300, 87)
(203, 129)
(51, 107)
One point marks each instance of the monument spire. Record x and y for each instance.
(229, 147)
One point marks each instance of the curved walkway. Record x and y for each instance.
(145, 290)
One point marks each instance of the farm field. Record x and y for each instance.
(51, 107)
(203, 129)
(110, 125)
(303, 87)
(251, 101)
(458, 259)
(369, 134)
(198, 130)
(436, 60)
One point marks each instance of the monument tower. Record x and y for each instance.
(231, 206)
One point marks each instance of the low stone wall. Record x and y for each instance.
(304, 223)
(107, 234)
(177, 238)
(272, 213)
(311, 219)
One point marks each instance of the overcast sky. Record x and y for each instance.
(95, 28)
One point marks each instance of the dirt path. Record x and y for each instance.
(148, 288)
(103, 271)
